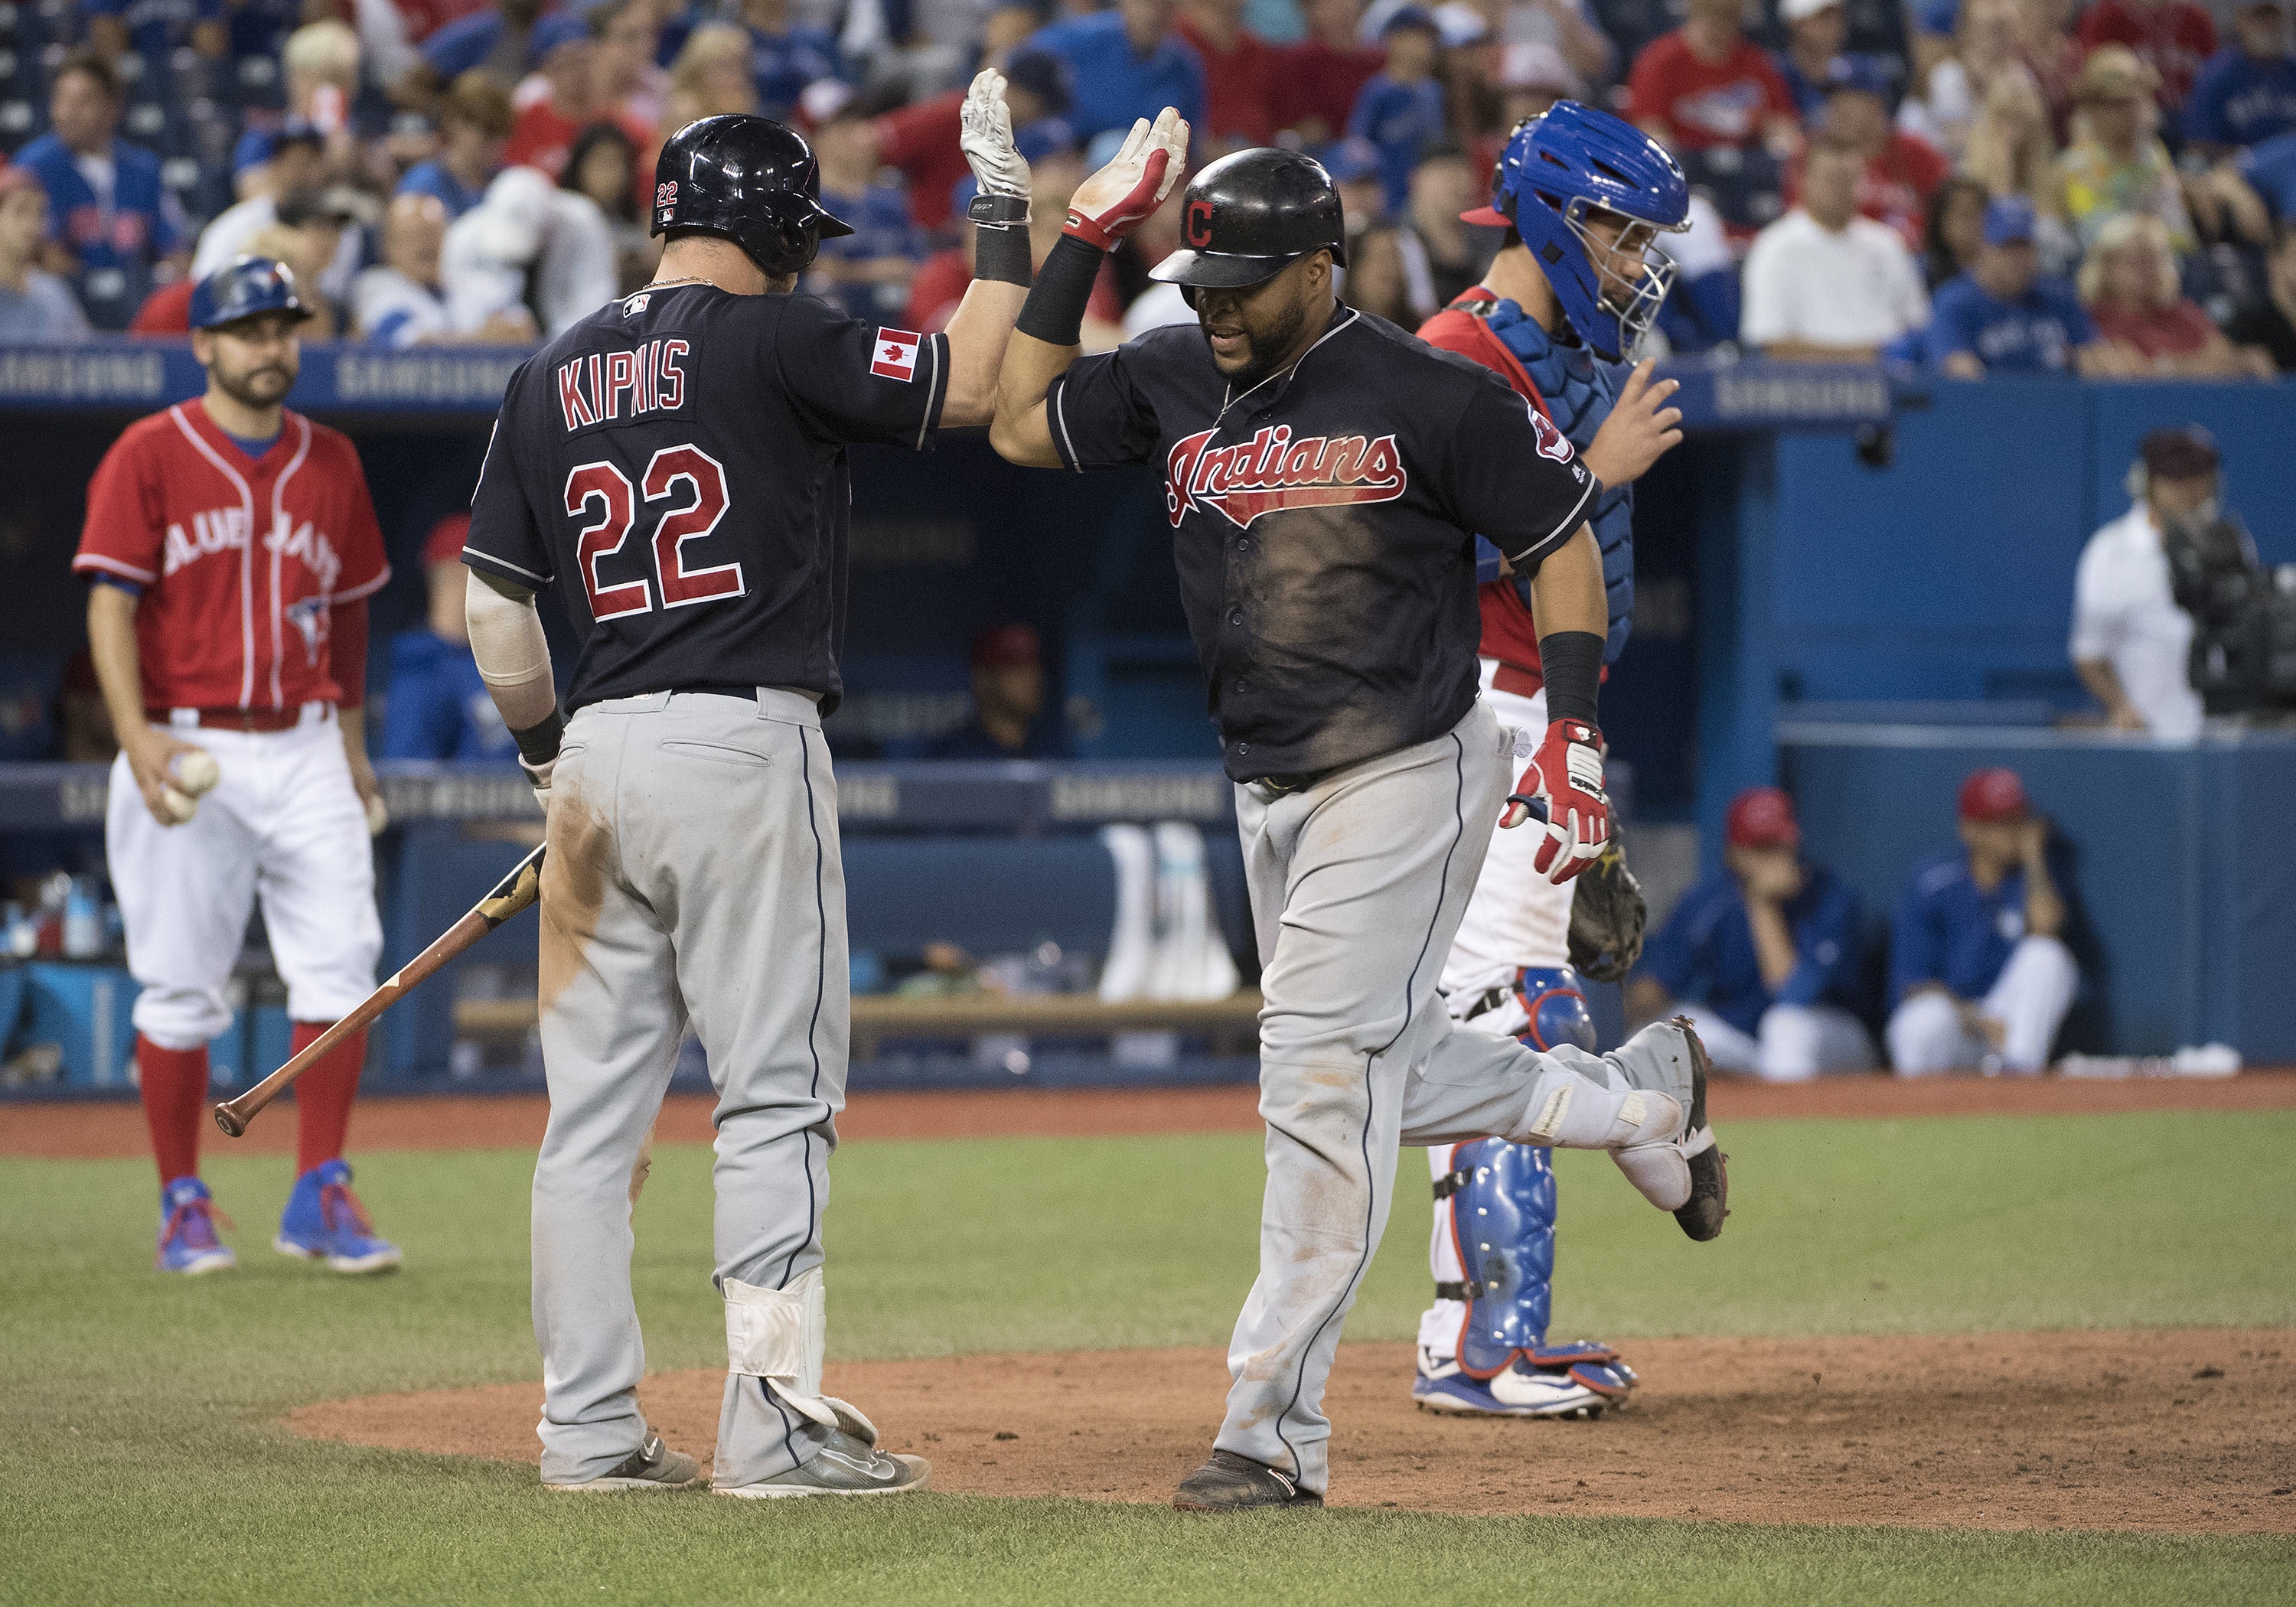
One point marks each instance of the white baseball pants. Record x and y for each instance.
(1516, 916)
(285, 826)
(1789, 1044)
(2030, 999)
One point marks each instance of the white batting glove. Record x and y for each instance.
(538, 776)
(986, 138)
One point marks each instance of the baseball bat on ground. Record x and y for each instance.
(511, 895)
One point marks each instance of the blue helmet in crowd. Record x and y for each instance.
(242, 288)
(1558, 168)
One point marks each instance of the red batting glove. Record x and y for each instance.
(1107, 206)
(1563, 790)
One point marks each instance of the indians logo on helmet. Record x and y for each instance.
(1200, 222)
(1272, 471)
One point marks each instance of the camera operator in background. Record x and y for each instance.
(2131, 643)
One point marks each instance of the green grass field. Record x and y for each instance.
(144, 1462)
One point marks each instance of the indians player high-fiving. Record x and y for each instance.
(233, 548)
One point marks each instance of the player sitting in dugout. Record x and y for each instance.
(1978, 962)
(1762, 956)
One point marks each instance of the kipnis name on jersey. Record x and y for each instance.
(611, 385)
(1272, 471)
(226, 531)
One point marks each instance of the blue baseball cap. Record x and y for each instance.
(2008, 220)
(1046, 137)
(242, 288)
(259, 145)
(1044, 75)
(1351, 159)
(557, 28)
(1412, 16)
(1856, 75)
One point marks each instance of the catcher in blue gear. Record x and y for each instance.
(1583, 196)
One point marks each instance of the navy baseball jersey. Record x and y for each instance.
(677, 459)
(1323, 525)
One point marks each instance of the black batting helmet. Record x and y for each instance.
(749, 179)
(1247, 218)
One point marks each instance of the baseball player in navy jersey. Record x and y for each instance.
(1582, 194)
(675, 466)
(1326, 476)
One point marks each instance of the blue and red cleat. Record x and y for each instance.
(324, 1221)
(187, 1235)
(1582, 1379)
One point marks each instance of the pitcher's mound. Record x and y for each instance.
(2188, 1432)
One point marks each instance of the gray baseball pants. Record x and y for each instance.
(692, 875)
(1357, 887)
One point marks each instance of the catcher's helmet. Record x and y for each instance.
(1247, 218)
(241, 288)
(1554, 169)
(752, 181)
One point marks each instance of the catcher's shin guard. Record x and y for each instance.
(1501, 1201)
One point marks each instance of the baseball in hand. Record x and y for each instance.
(195, 771)
(378, 815)
(180, 805)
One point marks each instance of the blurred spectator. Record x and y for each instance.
(1376, 282)
(1125, 63)
(868, 271)
(1401, 113)
(712, 75)
(1942, 103)
(1443, 259)
(401, 302)
(1149, 303)
(2131, 644)
(2116, 164)
(1706, 86)
(2269, 323)
(528, 244)
(306, 246)
(1318, 79)
(1009, 718)
(944, 277)
(602, 165)
(321, 61)
(35, 307)
(497, 42)
(2269, 170)
(2128, 283)
(2006, 316)
(1566, 28)
(941, 284)
(275, 161)
(1703, 310)
(153, 30)
(788, 55)
(1823, 284)
(1354, 167)
(921, 140)
(1531, 77)
(2247, 92)
(232, 234)
(1761, 956)
(2045, 44)
(632, 88)
(560, 99)
(436, 707)
(1902, 170)
(1956, 231)
(1978, 968)
(2012, 150)
(2173, 37)
(474, 119)
(1814, 32)
(1240, 70)
(111, 221)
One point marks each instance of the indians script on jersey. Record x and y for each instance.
(1273, 471)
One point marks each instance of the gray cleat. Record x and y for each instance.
(653, 1466)
(845, 1465)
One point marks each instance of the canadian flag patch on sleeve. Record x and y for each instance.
(895, 354)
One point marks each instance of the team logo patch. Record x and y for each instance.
(636, 304)
(1200, 222)
(894, 356)
(1272, 471)
(1551, 442)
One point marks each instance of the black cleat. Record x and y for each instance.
(1701, 1215)
(1230, 1483)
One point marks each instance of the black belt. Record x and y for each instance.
(718, 689)
(1491, 999)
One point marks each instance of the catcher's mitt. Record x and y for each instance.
(1606, 917)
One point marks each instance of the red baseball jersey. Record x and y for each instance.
(241, 560)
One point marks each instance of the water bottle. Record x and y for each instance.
(82, 920)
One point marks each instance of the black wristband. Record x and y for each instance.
(1054, 310)
(537, 744)
(1000, 252)
(1571, 661)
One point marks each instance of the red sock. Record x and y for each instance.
(323, 1095)
(175, 1089)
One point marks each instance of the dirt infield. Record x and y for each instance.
(2183, 1432)
(81, 1131)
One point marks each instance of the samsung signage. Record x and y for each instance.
(421, 378)
(83, 374)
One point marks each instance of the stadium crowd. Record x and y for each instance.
(1974, 185)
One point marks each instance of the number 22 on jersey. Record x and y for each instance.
(688, 479)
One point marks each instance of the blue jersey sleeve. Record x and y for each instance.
(1825, 946)
(2204, 109)
(1953, 326)
(1917, 942)
(1671, 957)
(420, 717)
(2080, 330)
